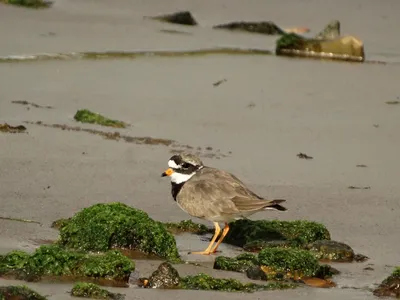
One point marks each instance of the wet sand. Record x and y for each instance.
(267, 111)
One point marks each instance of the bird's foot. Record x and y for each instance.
(201, 252)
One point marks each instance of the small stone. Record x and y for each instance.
(256, 273)
(180, 17)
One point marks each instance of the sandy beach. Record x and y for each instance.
(268, 110)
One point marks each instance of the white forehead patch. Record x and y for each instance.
(173, 165)
(179, 177)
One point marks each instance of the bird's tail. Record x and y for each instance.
(275, 205)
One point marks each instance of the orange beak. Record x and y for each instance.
(167, 172)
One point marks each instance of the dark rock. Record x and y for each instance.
(269, 28)
(256, 273)
(331, 250)
(180, 17)
(19, 292)
(390, 287)
(165, 277)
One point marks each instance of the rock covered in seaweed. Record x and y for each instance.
(93, 291)
(295, 233)
(19, 292)
(240, 263)
(263, 27)
(115, 225)
(54, 260)
(331, 250)
(390, 287)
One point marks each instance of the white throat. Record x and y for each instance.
(180, 178)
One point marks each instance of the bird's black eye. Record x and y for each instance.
(186, 165)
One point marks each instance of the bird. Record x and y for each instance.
(212, 194)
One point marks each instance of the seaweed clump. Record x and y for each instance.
(93, 291)
(288, 263)
(390, 287)
(86, 116)
(206, 282)
(12, 129)
(29, 3)
(295, 233)
(53, 260)
(240, 263)
(187, 226)
(115, 225)
(19, 292)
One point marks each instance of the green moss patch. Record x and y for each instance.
(86, 116)
(93, 291)
(241, 263)
(390, 287)
(206, 282)
(53, 260)
(298, 233)
(187, 226)
(293, 261)
(29, 3)
(115, 225)
(19, 292)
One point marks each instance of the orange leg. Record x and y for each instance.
(224, 233)
(216, 234)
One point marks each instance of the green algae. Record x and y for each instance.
(240, 263)
(390, 286)
(294, 261)
(93, 291)
(115, 225)
(86, 116)
(298, 233)
(19, 292)
(187, 226)
(29, 3)
(206, 282)
(54, 260)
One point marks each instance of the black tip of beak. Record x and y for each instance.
(163, 174)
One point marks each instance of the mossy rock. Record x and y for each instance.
(29, 3)
(331, 250)
(19, 292)
(206, 282)
(93, 291)
(116, 225)
(187, 226)
(390, 287)
(86, 116)
(54, 260)
(268, 28)
(258, 245)
(240, 263)
(298, 233)
(288, 263)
